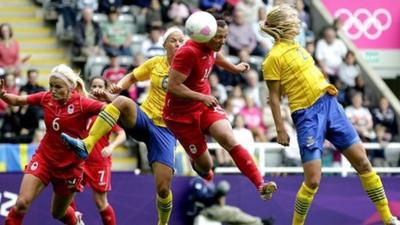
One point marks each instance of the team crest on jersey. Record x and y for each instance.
(70, 109)
(193, 149)
(34, 166)
(164, 83)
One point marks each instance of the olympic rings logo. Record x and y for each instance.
(371, 27)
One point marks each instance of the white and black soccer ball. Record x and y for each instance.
(201, 26)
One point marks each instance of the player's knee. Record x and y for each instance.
(121, 102)
(22, 204)
(101, 203)
(363, 165)
(313, 183)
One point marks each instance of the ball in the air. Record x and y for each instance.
(201, 26)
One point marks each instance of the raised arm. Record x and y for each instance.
(177, 88)
(11, 99)
(274, 101)
(228, 66)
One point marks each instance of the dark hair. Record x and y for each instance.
(101, 78)
(28, 73)
(1, 28)
(218, 16)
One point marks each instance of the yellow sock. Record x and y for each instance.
(373, 186)
(164, 208)
(304, 197)
(102, 125)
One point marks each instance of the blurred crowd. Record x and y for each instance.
(112, 37)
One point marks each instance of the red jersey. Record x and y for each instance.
(95, 157)
(196, 62)
(70, 118)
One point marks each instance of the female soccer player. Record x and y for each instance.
(65, 110)
(97, 168)
(143, 123)
(317, 115)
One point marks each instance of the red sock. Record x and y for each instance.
(14, 218)
(246, 165)
(108, 216)
(69, 218)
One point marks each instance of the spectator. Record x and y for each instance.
(9, 51)
(106, 6)
(211, 4)
(253, 87)
(217, 89)
(242, 40)
(349, 70)
(330, 52)
(265, 41)
(238, 101)
(361, 118)
(153, 45)
(114, 71)
(384, 115)
(243, 135)
(117, 37)
(87, 36)
(250, 9)
(32, 86)
(68, 10)
(378, 155)
(368, 96)
(252, 115)
(92, 4)
(178, 12)
(153, 13)
(229, 109)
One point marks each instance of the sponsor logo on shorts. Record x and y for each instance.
(310, 141)
(193, 149)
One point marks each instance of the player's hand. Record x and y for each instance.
(107, 151)
(210, 101)
(102, 95)
(242, 67)
(283, 138)
(115, 88)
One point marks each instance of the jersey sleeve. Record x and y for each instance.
(183, 61)
(35, 99)
(143, 71)
(91, 106)
(271, 68)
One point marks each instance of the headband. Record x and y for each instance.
(169, 32)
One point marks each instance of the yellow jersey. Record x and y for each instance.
(156, 70)
(299, 77)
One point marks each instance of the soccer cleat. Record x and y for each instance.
(79, 220)
(267, 189)
(75, 144)
(393, 221)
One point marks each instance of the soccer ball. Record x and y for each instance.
(201, 26)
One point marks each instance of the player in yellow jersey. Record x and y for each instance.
(289, 69)
(143, 123)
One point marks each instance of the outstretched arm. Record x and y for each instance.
(177, 88)
(274, 101)
(11, 99)
(119, 139)
(228, 66)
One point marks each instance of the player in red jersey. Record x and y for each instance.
(65, 110)
(97, 168)
(191, 111)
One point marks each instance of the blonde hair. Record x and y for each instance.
(73, 80)
(281, 22)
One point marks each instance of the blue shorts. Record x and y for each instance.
(160, 141)
(325, 119)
